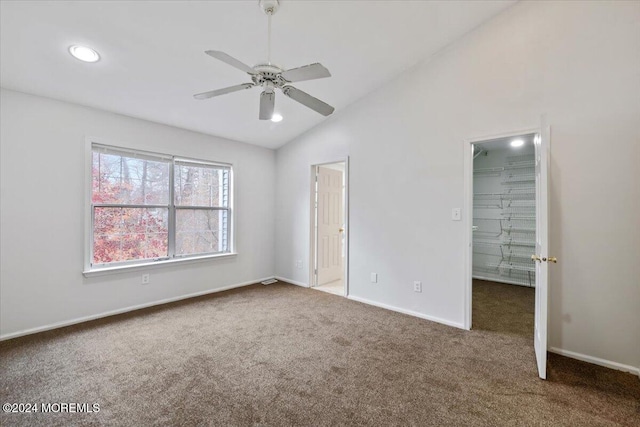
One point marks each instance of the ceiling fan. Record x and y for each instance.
(270, 76)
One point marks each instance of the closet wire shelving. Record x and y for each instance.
(504, 222)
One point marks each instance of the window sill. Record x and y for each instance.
(164, 263)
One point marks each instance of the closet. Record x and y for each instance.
(504, 212)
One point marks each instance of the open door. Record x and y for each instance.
(330, 219)
(541, 257)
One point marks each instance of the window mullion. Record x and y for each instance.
(172, 210)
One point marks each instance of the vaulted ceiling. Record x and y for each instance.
(152, 59)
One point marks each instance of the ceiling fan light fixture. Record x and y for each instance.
(276, 118)
(84, 53)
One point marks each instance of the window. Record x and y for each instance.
(149, 207)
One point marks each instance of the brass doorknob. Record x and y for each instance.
(341, 229)
(544, 259)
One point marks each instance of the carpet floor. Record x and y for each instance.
(282, 355)
(508, 309)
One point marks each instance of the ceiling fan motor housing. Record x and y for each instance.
(268, 74)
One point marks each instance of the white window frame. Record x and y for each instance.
(172, 258)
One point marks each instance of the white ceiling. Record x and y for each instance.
(153, 61)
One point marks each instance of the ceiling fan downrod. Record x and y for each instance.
(270, 7)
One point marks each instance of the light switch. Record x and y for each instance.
(455, 214)
(374, 277)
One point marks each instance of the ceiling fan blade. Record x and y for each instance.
(267, 104)
(307, 100)
(211, 94)
(308, 72)
(230, 60)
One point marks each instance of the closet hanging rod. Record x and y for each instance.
(484, 253)
(505, 242)
(524, 244)
(518, 180)
(517, 162)
(524, 158)
(519, 167)
(514, 217)
(511, 192)
(487, 234)
(513, 267)
(520, 229)
(522, 197)
(496, 244)
(502, 169)
(524, 256)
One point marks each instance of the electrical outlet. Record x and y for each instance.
(299, 263)
(374, 277)
(145, 279)
(417, 286)
(455, 214)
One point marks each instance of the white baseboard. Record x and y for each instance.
(409, 312)
(124, 310)
(293, 282)
(596, 360)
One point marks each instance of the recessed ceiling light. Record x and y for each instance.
(83, 53)
(276, 118)
(517, 143)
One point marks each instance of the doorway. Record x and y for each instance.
(506, 213)
(503, 274)
(329, 227)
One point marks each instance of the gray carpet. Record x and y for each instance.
(282, 355)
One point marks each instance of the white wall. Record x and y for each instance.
(42, 150)
(578, 62)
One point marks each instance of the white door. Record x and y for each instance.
(330, 225)
(541, 256)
